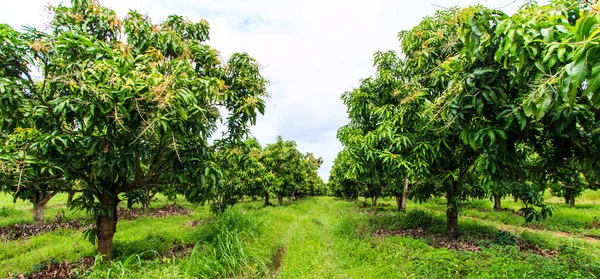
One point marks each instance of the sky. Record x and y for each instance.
(311, 51)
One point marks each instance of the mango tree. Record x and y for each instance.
(548, 55)
(341, 185)
(282, 160)
(312, 180)
(243, 172)
(24, 166)
(129, 104)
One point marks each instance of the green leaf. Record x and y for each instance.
(593, 83)
(543, 108)
(492, 136)
(501, 133)
(577, 72)
(479, 105)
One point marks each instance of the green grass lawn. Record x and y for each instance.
(564, 219)
(321, 237)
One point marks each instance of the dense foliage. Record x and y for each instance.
(278, 170)
(480, 104)
(120, 105)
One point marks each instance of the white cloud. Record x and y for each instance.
(312, 51)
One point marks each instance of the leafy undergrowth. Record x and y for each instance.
(222, 249)
(319, 237)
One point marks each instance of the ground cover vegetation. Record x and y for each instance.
(315, 237)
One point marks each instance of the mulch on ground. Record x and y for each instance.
(167, 210)
(444, 241)
(179, 251)
(59, 270)
(595, 224)
(23, 231)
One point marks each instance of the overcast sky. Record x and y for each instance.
(312, 51)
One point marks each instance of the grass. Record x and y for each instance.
(321, 237)
(564, 219)
(21, 212)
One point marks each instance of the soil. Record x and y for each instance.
(436, 240)
(277, 260)
(60, 270)
(179, 251)
(167, 210)
(195, 223)
(23, 231)
(595, 224)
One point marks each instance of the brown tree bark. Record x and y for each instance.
(374, 201)
(404, 195)
(38, 213)
(572, 201)
(107, 224)
(451, 212)
(497, 202)
(39, 201)
(267, 203)
(280, 199)
(398, 201)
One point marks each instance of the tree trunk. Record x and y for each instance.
(39, 201)
(398, 201)
(267, 203)
(451, 211)
(374, 200)
(404, 195)
(280, 199)
(566, 200)
(38, 212)
(497, 202)
(70, 198)
(107, 224)
(572, 201)
(148, 201)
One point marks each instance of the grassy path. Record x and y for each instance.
(310, 243)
